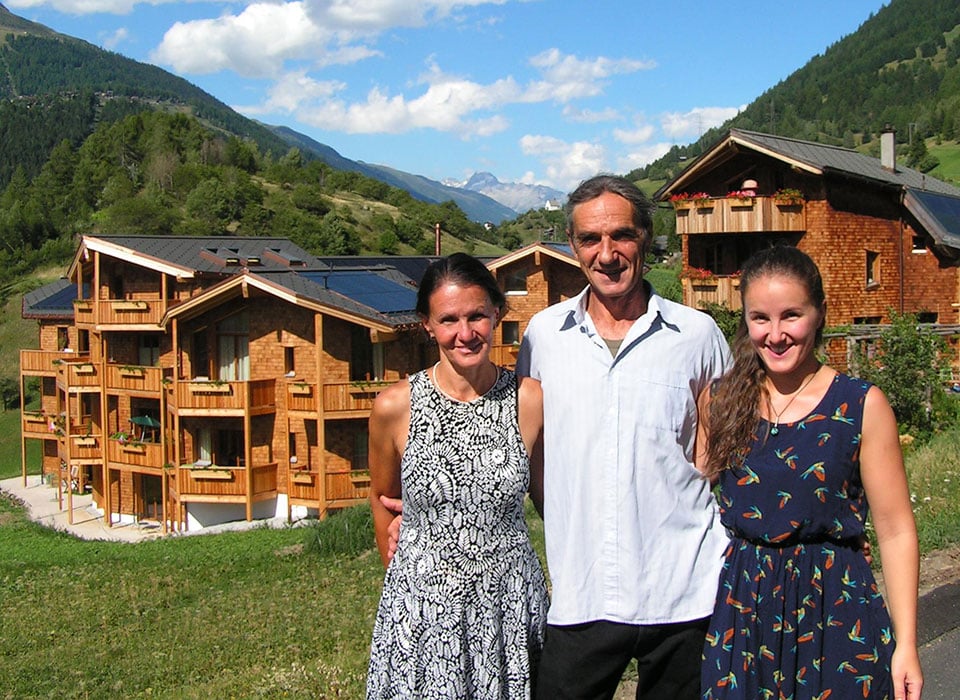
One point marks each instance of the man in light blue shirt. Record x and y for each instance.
(634, 541)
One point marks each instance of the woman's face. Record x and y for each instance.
(462, 319)
(783, 323)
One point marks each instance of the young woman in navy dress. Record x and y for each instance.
(799, 451)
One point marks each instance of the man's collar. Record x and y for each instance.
(577, 311)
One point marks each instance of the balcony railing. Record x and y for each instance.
(118, 312)
(195, 484)
(732, 215)
(353, 399)
(72, 374)
(224, 397)
(134, 453)
(134, 378)
(723, 290)
(45, 362)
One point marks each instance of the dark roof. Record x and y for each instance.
(218, 254)
(843, 161)
(940, 215)
(560, 247)
(368, 288)
(399, 267)
(51, 301)
(350, 294)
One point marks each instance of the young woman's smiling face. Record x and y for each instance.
(783, 323)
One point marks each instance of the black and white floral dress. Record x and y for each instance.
(464, 600)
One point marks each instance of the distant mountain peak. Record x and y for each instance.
(518, 196)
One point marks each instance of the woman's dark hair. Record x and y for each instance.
(735, 404)
(460, 269)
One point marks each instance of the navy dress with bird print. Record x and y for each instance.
(798, 613)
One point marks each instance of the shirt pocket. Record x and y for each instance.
(662, 401)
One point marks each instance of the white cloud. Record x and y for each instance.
(639, 157)
(641, 134)
(589, 116)
(568, 77)
(253, 43)
(692, 124)
(291, 91)
(114, 40)
(565, 164)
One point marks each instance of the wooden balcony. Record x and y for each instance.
(78, 376)
(347, 488)
(44, 363)
(352, 399)
(37, 425)
(732, 215)
(301, 396)
(194, 485)
(129, 313)
(84, 448)
(723, 290)
(143, 455)
(134, 379)
(220, 398)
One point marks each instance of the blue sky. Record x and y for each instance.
(536, 91)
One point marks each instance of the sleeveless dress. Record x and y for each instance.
(464, 600)
(798, 611)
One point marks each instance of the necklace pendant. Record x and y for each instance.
(775, 430)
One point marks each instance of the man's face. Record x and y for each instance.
(608, 245)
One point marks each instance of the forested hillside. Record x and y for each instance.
(161, 173)
(900, 68)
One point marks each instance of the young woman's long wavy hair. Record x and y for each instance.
(734, 414)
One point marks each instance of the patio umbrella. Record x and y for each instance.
(145, 421)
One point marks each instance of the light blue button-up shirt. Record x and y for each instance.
(632, 531)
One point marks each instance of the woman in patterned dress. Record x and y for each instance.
(464, 600)
(799, 450)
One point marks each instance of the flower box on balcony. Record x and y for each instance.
(212, 474)
(210, 387)
(741, 202)
(130, 305)
(134, 448)
(304, 478)
(35, 418)
(85, 441)
(84, 369)
(134, 372)
(300, 389)
(360, 479)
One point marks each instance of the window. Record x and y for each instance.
(289, 367)
(233, 348)
(360, 442)
(866, 320)
(149, 351)
(361, 355)
(83, 340)
(63, 338)
(873, 269)
(510, 332)
(926, 317)
(515, 282)
(919, 245)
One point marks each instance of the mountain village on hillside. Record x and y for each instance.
(194, 381)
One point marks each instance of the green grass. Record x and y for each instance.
(949, 155)
(933, 470)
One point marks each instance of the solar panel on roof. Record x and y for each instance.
(367, 288)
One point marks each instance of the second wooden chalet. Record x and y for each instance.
(885, 237)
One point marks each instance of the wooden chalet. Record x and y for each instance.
(195, 381)
(885, 237)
